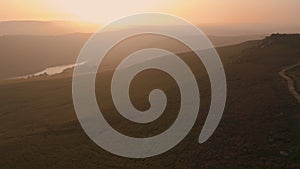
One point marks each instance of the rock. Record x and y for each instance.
(284, 153)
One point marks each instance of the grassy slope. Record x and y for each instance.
(39, 128)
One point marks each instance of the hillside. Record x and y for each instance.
(259, 129)
(23, 54)
(27, 47)
(27, 54)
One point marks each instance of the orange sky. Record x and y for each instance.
(196, 11)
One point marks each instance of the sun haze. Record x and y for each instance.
(201, 11)
(265, 15)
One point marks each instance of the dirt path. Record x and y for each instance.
(290, 81)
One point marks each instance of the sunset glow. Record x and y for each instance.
(196, 11)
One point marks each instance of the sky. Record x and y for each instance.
(219, 12)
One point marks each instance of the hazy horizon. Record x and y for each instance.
(232, 17)
(68, 27)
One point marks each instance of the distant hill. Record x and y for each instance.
(219, 41)
(45, 27)
(272, 48)
(26, 54)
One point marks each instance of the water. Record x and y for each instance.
(49, 71)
